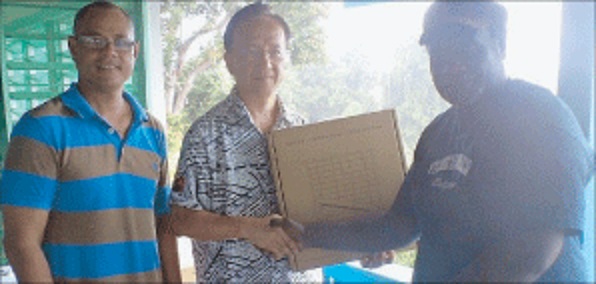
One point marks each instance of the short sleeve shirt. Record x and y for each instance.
(515, 161)
(102, 191)
(225, 165)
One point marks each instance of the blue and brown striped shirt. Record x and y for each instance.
(102, 191)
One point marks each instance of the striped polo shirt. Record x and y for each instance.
(102, 192)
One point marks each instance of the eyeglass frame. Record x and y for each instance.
(274, 55)
(120, 44)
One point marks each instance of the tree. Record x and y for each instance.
(333, 89)
(195, 75)
(188, 25)
(350, 86)
(315, 86)
(412, 93)
(192, 33)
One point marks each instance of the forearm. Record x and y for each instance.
(24, 231)
(375, 235)
(28, 262)
(523, 259)
(168, 251)
(206, 226)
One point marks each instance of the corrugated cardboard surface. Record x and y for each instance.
(337, 170)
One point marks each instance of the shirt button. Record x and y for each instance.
(111, 130)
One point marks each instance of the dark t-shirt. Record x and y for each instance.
(514, 161)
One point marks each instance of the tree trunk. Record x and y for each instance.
(175, 94)
(182, 94)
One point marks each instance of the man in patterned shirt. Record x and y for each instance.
(224, 196)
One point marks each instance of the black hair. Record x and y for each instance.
(99, 4)
(248, 13)
(493, 13)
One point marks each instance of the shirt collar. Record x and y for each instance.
(282, 120)
(74, 100)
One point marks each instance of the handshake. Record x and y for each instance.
(277, 236)
(294, 229)
(299, 240)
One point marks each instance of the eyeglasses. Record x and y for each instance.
(99, 42)
(275, 55)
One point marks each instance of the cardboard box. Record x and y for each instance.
(337, 170)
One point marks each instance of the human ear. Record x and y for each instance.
(72, 47)
(228, 58)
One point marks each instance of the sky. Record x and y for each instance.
(379, 28)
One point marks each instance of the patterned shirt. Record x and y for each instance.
(102, 192)
(225, 165)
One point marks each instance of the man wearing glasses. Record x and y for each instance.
(84, 189)
(224, 196)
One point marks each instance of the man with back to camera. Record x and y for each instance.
(84, 189)
(495, 192)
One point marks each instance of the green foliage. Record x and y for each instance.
(211, 88)
(308, 39)
(197, 16)
(321, 89)
(192, 38)
(336, 89)
(213, 83)
(177, 126)
(406, 257)
(350, 86)
(315, 86)
(412, 93)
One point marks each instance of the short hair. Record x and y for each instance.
(493, 13)
(249, 13)
(99, 4)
